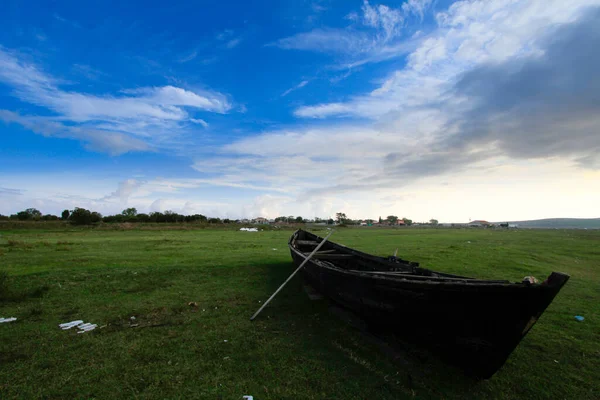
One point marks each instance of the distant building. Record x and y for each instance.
(260, 220)
(479, 223)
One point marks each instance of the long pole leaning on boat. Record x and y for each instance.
(291, 276)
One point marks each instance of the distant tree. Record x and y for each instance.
(290, 218)
(340, 217)
(281, 219)
(157, 216)
(4, 217)
(299, 220)
(29, 214)
(214, 220)
(407, 221)
(392, 219)
(81, 216)
(65, 215)
(49, 217)
(172, 216)
(227, 221)
(433, 221)
(95, 217)
(129, 212)
(23, 216)
(141, 217)
(35, 213)
(379, 219)
(330, 221)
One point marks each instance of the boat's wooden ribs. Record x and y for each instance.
(307, 242)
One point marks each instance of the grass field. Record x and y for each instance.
(296, 349)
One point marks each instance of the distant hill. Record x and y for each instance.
(559, 223)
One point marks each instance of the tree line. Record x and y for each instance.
(82, 216)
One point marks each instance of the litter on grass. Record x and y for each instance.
(11, 319)
(247, 397)
(79, 324)
(249, 229)
(579, 318)
(69, 325)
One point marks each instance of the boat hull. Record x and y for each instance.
(474, 324)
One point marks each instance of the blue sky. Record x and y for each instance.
(419, 108)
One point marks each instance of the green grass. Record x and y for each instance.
(296, 349)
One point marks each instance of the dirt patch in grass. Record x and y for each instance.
(18, 244)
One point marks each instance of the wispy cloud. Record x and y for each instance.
(293, 88)
(10, 192)
(337, 41)
(416, 7)
(88, 72)
(229, 39)
(101, 140)
(147, 112)
(188, 57)
(199, 121)
(64, 20)
(384, 18)
(233, 43)
(374, 35)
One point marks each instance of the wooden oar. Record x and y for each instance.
(292, 275)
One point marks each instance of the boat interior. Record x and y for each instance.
(337, 256)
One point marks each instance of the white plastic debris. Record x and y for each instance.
(79, 324)
(69, 325)
(11, 319)
(275, 249)
(225, 340)
(248, 397)
(249, 229)
(86, 327)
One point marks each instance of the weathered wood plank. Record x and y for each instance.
(327, 256)
(307, 242)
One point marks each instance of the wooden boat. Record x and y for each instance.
(473, 323)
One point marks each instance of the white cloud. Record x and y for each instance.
(329, 40)
(102, 140)
(416, 7)
(199, 121)
(469, 33)
(387, 19)
(109, 121)
(125, 190)
(294, 88)
(373, 36)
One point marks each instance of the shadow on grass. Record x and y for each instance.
(339, 337)
(9, 293)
